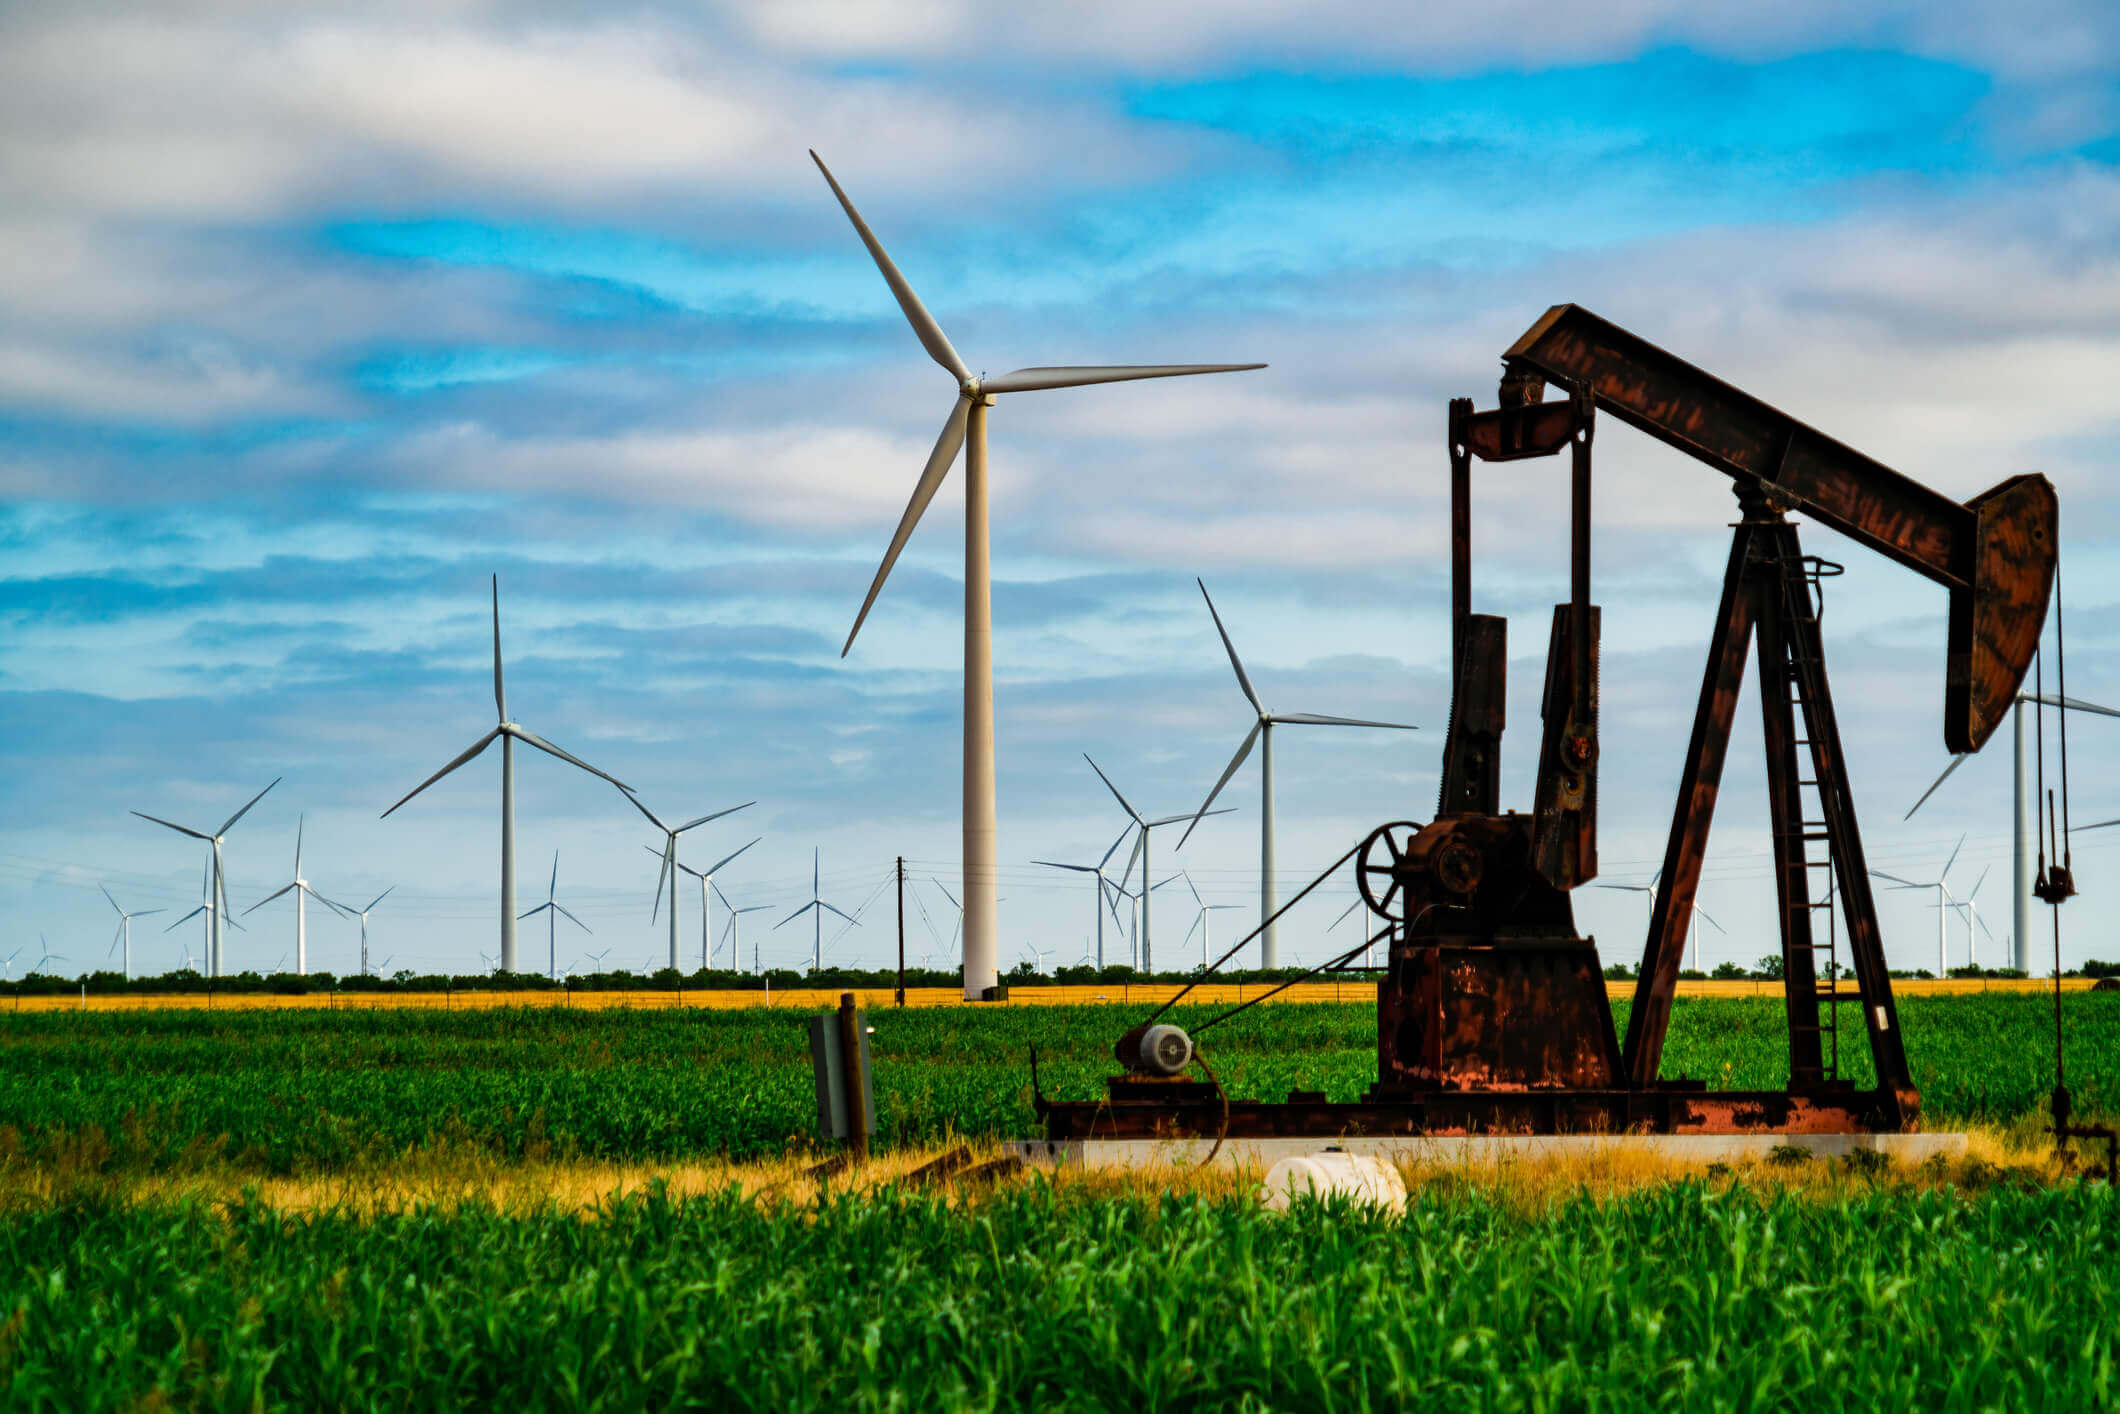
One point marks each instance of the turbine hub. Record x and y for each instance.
(971, 388)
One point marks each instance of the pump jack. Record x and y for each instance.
(1492, 1011)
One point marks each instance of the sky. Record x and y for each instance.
(315, 319)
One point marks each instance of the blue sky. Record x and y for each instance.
(311, 323)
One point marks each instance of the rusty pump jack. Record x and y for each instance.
(1492, 1012)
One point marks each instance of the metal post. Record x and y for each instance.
(901, 930)
(850, 1060)
(2020, 855)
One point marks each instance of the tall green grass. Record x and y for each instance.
(310, 1091)
(1682, 1298)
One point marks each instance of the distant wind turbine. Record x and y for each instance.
(302, 893)
(1699, 914)
(1141, 853)
(1097, 869)
(816, 907)
(362, 914)
(46, 956)
(669, 859)
(508, 733)
(124, 933)
(212, 910)
(1262, 733)
(1201, 923)
(554, 910)
(216, 890)
(706, 883)
(733, 934)
(966, 429)
(1944, 901)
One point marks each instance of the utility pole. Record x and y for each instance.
(901, 930)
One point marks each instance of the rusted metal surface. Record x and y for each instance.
(1664, 1110)
(1994, 553)
(1472, 748)
(1565, 798)
(1792, 871)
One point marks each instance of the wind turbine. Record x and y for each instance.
(1968, 908)
(817, 907)
(966, 429)
(553, 910)
(1141, 852)
(669, 861)
(362, 914)
(302, 893)
(124, 933)
(1262, 733)
(1344, 915)
(212, 911)
(7, 964)
(217, 888)
(1103, 900)
(48, 956)
(1943, 900)
(1201, 922)
(1699, 914)
(509, 733)
(2024, 818)
(733, 934)
(706, 882)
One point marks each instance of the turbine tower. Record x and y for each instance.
(816, 907)
(362, 914)
(1262, 733)
(124, 933)
(2024, 819)
(213, 918)
(554, 910)
(706, 882)
(509, 733)
(966, 429)
(731, 932)
(669, 860)
(302, 893)
(216, 907)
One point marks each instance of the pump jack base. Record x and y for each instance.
(1482, 1150)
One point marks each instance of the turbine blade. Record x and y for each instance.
(724, 899)
(185, 919)
(841, 912)
(1140, 840)
(1123, 803)
(500, 691)
(300, 821)
(1243, 679)
(1946, 872)
(660, 875)
(1702, 912)
(1313, 719)
(637, 806)
(931, 336)
(378, 899)
(1904, 883)
(960, 907)
(113, 902)
(1956, 762)
(1978, 882)
(246, 809)
(1078, 868)
(1030, 380)
(146, 912)
(550, 750)
(2074, 704)
(1343, 915)
(1235, 761)
(182, 830)
(1115, 846)
(715, 867)
(263, 901)
(715, 816)
(2102, 824)
(572, 919)
(474, 749)
(795, 915)
(931, 476)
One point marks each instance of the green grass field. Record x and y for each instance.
(1037, 1298)
(319, 1091)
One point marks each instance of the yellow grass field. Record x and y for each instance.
(807, 999)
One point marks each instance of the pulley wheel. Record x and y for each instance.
(1381, 871)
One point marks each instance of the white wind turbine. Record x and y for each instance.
(1103, 899)
(817, 907)
(1201, 923)
(966, 429)
(1700, 915)
(1262, 733)
(706, 883)
(7, 964)
(362, 914)
(302, 893)
(2024, 827)
(508, 733)
(124, 933)
(1968, 908)
(216, 907)
(212, 910)
(47, 955)
(733, 934)
(1944, 900)
(1141, 847)
(669, 861)
(554, 910)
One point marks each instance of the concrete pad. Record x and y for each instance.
(1468, 1150)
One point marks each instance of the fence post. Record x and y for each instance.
(857, 1093)
(901, 930)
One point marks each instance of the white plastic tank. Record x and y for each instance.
(1361, 1178)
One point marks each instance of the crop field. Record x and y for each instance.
(1692, 1296)
(308, 1092)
